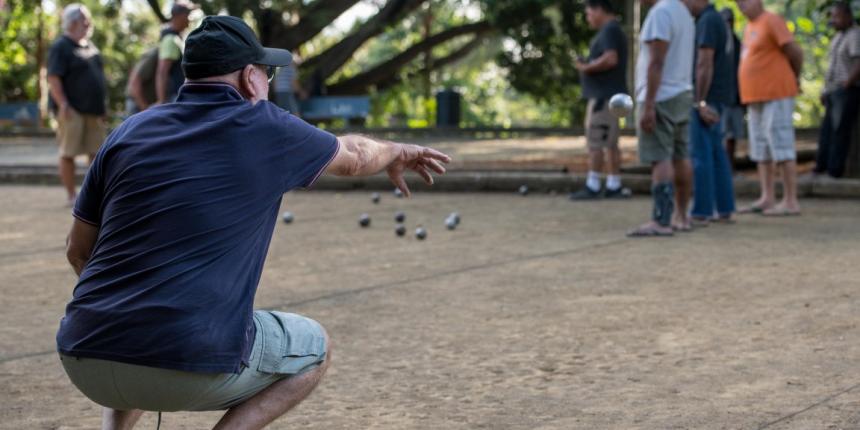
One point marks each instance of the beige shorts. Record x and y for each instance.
(601, 127)
(80, 134)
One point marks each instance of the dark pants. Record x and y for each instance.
(834, 140)
(712, 173)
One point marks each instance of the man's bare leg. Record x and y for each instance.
(683, 191)
(67, 176)
(766, 180)
(274, 401)
(113, 419)
(595, 160)
(613, 160)
(789, 203)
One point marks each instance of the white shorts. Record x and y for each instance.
(771, 130)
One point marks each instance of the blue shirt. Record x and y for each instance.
(185, 196)
(713, 32)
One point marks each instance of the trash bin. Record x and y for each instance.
(448, 108)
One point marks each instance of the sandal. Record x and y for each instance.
(780, 211)
(649, 231)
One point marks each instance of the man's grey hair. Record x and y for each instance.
(73, 13)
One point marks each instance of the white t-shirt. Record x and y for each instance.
(670, 21)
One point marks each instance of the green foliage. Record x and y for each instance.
(18, 47)
(542, 39)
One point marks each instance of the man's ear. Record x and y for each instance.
(245, 82)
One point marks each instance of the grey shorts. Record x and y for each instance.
(733, 122)
(285, 344)
(771, 130)
(601, 127)
(669, 139)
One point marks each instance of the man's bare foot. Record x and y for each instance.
(681, 223)
(650, 229)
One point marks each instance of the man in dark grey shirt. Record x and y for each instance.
(603, 75)
(78, 92)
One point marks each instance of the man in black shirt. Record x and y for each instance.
(78, 90)
(603, 75)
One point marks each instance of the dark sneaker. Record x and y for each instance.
(585, 194)
(618, 193)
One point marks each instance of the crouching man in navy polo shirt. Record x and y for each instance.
(171, 230)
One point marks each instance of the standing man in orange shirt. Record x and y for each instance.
(769, 78)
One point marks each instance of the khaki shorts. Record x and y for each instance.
(80, 134)
(285, 344)
(601, 127)
(671, 134)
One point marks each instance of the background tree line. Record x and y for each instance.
(511, 59)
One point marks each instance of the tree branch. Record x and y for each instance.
(317, 16)
(438, 63)
(332, 59)
(157, 9)
(388, 69)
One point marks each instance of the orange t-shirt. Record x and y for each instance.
(765, 73)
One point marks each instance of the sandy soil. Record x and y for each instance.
(536, 313)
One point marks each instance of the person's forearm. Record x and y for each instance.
(55, 86)
(655, 75)
(795, 58)
(704, 76)
(368, 156)
(135, 92)
(607, 61)
(161, 83)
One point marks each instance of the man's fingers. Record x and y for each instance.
(432, 153)
(422, 171)
(400, 183)
(433, 165)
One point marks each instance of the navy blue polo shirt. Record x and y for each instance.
(185, 196)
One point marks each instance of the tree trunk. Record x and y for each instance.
(438, 63)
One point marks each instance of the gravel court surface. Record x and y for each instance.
(535, 313)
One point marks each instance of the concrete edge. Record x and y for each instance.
(483, 181)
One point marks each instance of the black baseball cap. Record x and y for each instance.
(224, 44)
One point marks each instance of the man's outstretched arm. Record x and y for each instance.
(363, 156)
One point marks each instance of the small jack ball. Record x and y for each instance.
(399, 217)
(364, 220)
(420, 233)
(375, 198)
(455, 216)
(287, 217)
(400, 230)
(451, 223)
(524, 189)
(398, 193)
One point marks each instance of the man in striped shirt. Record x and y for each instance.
(841, 96)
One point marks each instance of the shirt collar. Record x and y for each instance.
(208, 91)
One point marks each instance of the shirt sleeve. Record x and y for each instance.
(658, 26)
(88, 205)
(57, 64)
(706, 34)
(169, 49)
(308, 151)
(780, 31)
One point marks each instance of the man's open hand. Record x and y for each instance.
(421, 160)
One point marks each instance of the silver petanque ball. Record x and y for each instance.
(621, 105)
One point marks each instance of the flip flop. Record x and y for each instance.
(700, 222)
(779, 212)
(751, 209)
(648, 232)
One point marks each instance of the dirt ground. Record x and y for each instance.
(536, 313)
